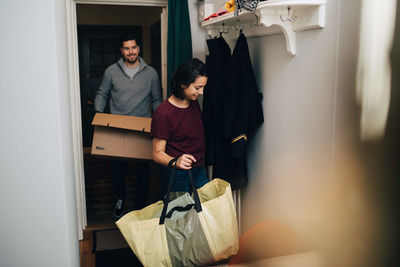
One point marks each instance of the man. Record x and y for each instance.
(133, 88)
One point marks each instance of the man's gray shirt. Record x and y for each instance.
(131, 71)
(129, 96)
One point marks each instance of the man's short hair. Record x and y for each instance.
(128, 37)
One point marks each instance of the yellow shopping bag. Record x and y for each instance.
(207, 233)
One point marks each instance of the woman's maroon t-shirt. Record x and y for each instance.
(182, 128)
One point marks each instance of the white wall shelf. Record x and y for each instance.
(271, 17)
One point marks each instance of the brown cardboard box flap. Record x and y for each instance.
(140, 124)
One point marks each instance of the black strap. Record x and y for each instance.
(178, 208)
(197, 204)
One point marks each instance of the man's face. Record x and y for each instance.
(130, 51)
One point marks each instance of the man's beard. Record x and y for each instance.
(131, 61)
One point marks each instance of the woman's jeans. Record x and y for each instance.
(181, 179)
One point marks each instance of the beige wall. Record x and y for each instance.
(88, 14)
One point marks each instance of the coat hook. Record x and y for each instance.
(237, 24)
(288, 18)
(257, 21)
(223, 29)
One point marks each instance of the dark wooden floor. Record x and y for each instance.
(100, 206)
(100, 200)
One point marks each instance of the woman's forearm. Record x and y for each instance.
(162, 158)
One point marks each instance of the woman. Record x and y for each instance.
(177, 129)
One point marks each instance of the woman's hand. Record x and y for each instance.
(185, 162)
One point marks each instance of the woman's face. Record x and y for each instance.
(196, 88)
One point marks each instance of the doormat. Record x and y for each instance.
(108, 239)
(117, 258)
(111, 249)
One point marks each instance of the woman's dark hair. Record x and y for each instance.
(185, 74)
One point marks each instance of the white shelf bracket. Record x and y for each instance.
(273, 17)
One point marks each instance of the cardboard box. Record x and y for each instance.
(122, 136)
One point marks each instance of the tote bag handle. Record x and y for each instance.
(197, 204)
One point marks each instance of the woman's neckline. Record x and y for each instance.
(178, 103)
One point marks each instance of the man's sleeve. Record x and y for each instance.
(155, 91)
(102, 93)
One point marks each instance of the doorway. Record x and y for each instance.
(96, 25)
(99, 30)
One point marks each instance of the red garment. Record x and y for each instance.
(182, 128)
(214, 15)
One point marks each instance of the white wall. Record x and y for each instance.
(298, 175)
(38, 223)
(302, 172)
(198, 35)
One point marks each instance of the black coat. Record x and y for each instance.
(233, 100)
(213, 110)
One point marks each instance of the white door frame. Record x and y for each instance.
(73, 62)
